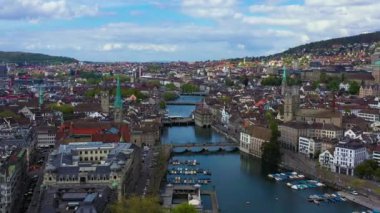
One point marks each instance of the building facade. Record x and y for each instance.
(253, 138)
(92, 163)
(12, 176)
(309, 146)
(348, 155)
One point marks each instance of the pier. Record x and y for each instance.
(214, 200)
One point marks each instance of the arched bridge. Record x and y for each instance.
(205, 147)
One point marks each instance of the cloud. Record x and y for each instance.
(209, 8)
(43, 9)
(111, 46)
(152, 47)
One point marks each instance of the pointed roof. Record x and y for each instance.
(118, 102)
(40, 97)
(284, 74)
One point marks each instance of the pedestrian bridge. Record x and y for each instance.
(178, 121)
(205, 147)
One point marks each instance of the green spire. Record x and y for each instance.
(284, 74)
(40, 97)
(118, 102)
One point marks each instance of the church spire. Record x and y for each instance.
(284, 74)
(118, 102)
(283, 84)
(40, 97)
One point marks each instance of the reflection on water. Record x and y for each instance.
(190, 134)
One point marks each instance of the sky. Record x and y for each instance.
(172, 30)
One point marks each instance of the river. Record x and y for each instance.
(237, 178)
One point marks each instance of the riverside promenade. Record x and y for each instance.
(369, 191)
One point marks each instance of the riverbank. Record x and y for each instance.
(296, 162)
(367, 189)
(362, 200)
(221, 130)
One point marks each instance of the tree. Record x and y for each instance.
(66, 109)
(170, 96)
(8, 114)
(271, 81)
(136, 204)
(271, 154)
(170, 87)
(229, 82)
(184, 208)
(354, 88)
(162, 104)
(189, 88)
(367, 169)
(333, 85)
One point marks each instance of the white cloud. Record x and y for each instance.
(209, 8)
(152, 47)
(40, 9)
(111, 46)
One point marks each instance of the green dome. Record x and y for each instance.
(377, 63)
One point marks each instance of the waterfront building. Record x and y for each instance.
(12, 176)
(90, 163)
(202, 116)
(309, 146)
(347, 155)
(178, 194)
(252, 139)
(326, 159)
(291, 131)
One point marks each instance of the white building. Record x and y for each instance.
(371, 115)
(354, 133)
(225, 116)
(344, 86)
(252, 140)
(376, 154)
(46, 136)
(326, 159)
(308, 146)
(348, 155)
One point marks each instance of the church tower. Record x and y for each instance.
(40, 97)
(105, 101)
(118, 104)
(283, 84)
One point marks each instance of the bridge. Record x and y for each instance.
(205, 147)
(178, 121)
(181, 103)
(194, 93)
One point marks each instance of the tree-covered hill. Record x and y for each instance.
(33, 58)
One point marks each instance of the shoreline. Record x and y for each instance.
(360, 199)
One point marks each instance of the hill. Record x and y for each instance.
(33, 58)
(367, 38)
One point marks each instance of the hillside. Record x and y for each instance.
(33, 58)
(334, 46)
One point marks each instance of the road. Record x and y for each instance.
(143, 182)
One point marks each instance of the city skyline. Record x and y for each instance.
(189, 30)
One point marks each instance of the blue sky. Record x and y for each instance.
(171, 30)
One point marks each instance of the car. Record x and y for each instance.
(354, 193)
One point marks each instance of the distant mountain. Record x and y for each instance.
(33, 58)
